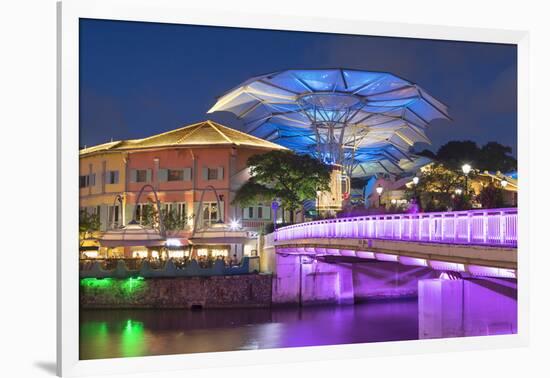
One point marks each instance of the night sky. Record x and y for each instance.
(139, 79)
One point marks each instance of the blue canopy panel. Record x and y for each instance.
(373, 117)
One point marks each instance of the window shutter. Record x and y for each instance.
(221, 211)
(163, 175)
(92, 179)
(115, 178)
(204, 173)
(149, 175)
(103, 217)
(187, 174)
(107, 177)
(133, 175)
(220, 173)
(267, 212)
(245, 213)
(129, 212)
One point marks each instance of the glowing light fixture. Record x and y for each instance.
(504, 183)
(458, 191)
(234, 224)
(379, 189)
(415, 180)
(466, 168)
(173, 242)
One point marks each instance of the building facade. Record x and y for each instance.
(195, 170)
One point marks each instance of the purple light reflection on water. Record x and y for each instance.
(127, 333)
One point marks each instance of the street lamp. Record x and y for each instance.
(379, 190)
(466, 168)
(504, 183)
(415, 184)
(458, 191)
(275, 206)
(393, 201)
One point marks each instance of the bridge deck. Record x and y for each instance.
(480, 242)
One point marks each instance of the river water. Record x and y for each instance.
(129, 333)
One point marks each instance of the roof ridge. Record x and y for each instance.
(170, 131)
(197, 126)
(209, 122)
(244, 134)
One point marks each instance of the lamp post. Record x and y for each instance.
(466, 168)
(275, 207)
(503, 183)
(415, 184)
(379, 190)
(458, 191)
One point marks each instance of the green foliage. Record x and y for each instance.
(149, 215)
(88, 222)
(172, 221)
(292, 178)
(491, 157)
(436, 189)
(455, 153)
(250, 193)
(491, 197)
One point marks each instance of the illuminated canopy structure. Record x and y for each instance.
(345, 117)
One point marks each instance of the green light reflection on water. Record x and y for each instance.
(132, 341)
(96, 334)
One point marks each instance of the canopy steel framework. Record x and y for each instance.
(346, 117)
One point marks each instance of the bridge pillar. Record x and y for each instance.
(301, 280)
(469, 307)
(326, 283)
(286, 280)
(440, 308)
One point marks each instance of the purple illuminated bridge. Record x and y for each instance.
(475, 242)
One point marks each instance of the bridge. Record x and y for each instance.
(450, 261)
(475, 242)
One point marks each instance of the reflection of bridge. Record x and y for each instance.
(458, 264)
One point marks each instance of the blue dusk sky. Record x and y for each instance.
(139, 79)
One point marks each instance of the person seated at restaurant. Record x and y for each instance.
(234, 260)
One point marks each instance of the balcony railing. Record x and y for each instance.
(486, 227)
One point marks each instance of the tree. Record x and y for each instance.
(88, 222)
(426, 153)
(491, 197)
(291, 177)
(496, 157)
(172, 221)
(455, 153)
(436, 188)
(492, 156)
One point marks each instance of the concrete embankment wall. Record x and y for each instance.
(252, 290)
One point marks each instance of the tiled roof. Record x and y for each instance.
(202, 133)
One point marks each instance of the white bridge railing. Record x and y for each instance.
(489, 227)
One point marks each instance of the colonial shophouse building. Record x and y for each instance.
(202, 160)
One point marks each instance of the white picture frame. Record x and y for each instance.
(69, 13)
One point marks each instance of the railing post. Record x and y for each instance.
(442, 227)
(502, 226)
(485, 227)
(430, 227)
(455, 225)
(469, 224)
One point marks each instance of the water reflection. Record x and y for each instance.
(444, 309)
(128, 333)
